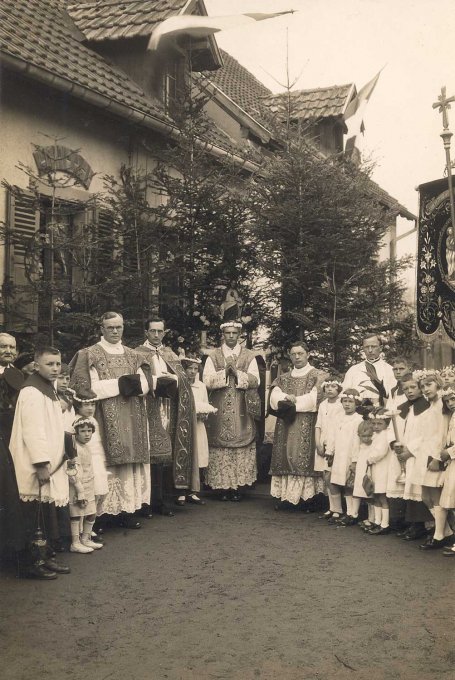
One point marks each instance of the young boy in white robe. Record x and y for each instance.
(447, 500)
(37, 447)
(328, 412)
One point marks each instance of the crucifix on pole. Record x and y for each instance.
(443, 104)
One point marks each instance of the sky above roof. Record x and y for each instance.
(333, 42)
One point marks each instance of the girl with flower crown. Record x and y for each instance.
(447, 455)
(329, 410)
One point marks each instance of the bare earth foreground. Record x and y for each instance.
(235, 591)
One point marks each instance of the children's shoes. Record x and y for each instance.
(80, 548)
(91, 544)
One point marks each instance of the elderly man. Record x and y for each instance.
(116, 376)
(373, 378)
(172, 419)
(232, 377)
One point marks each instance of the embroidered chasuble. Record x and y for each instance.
(293, 444)
(233, 426)
(122, 420)
(172, 442)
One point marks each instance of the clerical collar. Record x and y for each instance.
(112, 348)
(44, 386)
(299, 372)
(372, 361)
(148, 344)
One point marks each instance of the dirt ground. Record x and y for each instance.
(235, 591)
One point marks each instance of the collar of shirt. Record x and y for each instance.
(111, 348)
(228, 352)
(153, 347)
(299, 372)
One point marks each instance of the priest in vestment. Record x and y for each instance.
(231, 374)
(119, 377)
(171, 417)
(373, 378)
(294, 400)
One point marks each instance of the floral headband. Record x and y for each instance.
(191, 360)
(423, 373)
(379, 416)
(79, 422)
(231, 324)
(329, 383)
(448, 369)
(350, 395)
(448, 392)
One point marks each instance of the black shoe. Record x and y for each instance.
(146, 512)
(326, 515)
(180, 501)
(225, 496)
(164, 511)
(129, 522)
(348, 521)
(414, 533)
(39, 572)
(379, 531)
(195, 500)
(53, 566)
(434, 544)
(236, 497)
(335, 520)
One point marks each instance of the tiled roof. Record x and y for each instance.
(323, 102)
(391, 203)
(40, 33)
(111, 20)
(240, 85)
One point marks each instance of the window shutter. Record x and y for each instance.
(21, 304)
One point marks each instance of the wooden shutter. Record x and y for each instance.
(21, 304)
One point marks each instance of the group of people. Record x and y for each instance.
(112, 434)
(384, 437)
(116, 432)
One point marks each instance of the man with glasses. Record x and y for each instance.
(118, 378)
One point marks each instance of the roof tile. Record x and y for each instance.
(323, 102)
(111, 20)
(40, 33)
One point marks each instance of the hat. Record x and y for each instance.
(24, 359)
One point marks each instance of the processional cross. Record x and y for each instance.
(443, 104)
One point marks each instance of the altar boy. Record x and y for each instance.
(37, 448)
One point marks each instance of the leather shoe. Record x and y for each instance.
(129, 522)
(180, 502)
(379, 531)
(403, 532)
(53, 566)
(195, 500)
(348, 521)
(413, 534)
(39, 572)
(236, 497)
(225, 497)
(449, 552)
(164, 511)
(146, 512)
(433, 544)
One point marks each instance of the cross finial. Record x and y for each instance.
(443, 104)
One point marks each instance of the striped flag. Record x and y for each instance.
(355, 112)
(202, 26)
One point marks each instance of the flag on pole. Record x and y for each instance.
(355, 112)
(202, 26)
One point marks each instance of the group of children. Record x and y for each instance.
(397, 458)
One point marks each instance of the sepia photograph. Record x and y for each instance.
(227, 339)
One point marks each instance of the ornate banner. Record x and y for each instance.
(435, 288)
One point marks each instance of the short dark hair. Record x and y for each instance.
(109, 315)
(299, 343)
(408, 376)
(399, 360)
(45, 349)
(154, 319)
(367, 336)
(82, 423)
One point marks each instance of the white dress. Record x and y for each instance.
(344, 444)
(96, 448)
(377, 454)
(328, 413)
